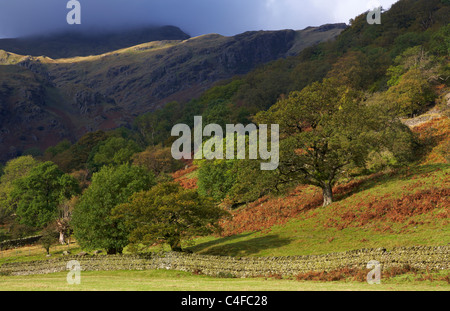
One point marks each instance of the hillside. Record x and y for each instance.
(402, 205)
(45, 100)
(365, 57)
(398, 209)
(394, 208)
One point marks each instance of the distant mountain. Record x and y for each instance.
(44, 100)
(84, 43)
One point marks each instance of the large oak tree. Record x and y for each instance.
(326, 129)
(93, 225)
(168, 213)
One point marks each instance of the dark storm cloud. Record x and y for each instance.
(227, 17)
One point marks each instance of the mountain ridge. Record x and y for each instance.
(45, 100)
(71, 44)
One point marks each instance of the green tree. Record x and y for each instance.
(168, 213)
(114, 150)
(49, 237)
(17, 168)
(33, 151)
(251, 182)
(154, 127)
(39, 194)
(326, 130)
(217, 113)
(234, 181)
(83, 148)
(411, 94)
(59, 148)
(91, 219)
(440, 42)
(157, 159)
(14, 170)
(360, 70)
(215, 178)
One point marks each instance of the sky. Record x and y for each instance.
(195, 17)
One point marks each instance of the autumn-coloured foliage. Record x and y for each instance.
(352, 274)
(82, 176)
(412, 93)
(435, 135)
(188, 183)
(360, 275)
(267, 212)
(354, 208)
(387, 209)
(180, 173)
(180, 177)
(157, 159)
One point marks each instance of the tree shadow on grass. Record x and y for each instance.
(202, 246)
(221, 247)
(344, 191)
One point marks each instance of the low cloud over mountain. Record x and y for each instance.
(196, 17)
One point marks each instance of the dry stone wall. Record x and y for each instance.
(19, 242)
(421, 257)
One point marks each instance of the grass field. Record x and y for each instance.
(161, 280)
(35, 252)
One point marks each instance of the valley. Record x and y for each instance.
(92, 171)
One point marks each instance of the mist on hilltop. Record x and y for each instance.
(20, 18)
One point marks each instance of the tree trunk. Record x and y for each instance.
(327, 194)
(62, 239)
(114, 251)
(63, 227)
(175, 244)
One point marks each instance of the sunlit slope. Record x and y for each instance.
(402, 207)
